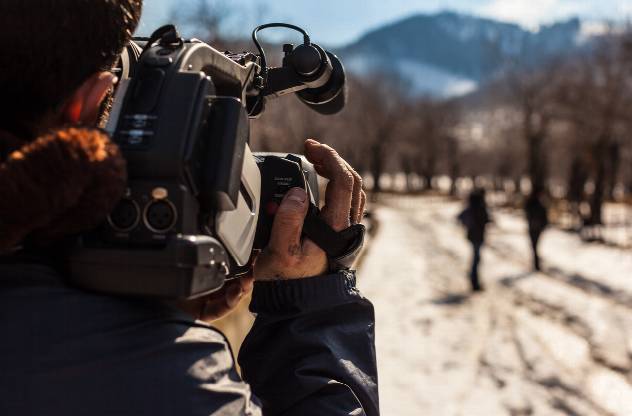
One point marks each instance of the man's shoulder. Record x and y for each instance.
(113, 347)
(42, 294)
(38, 297)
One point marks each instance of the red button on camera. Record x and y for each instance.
(272, 207)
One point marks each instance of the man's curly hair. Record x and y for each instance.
(51, 47)
(66, 180)
(60, 184)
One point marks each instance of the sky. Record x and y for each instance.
(339, 22)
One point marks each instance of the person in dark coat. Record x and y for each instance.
(475, 218)
(537, 220)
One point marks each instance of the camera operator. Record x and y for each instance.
(69, 352)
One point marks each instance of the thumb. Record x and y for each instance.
(287, 227)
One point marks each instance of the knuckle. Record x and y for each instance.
(330, 150)
(332, 154)
(346, 179)
(357, 179)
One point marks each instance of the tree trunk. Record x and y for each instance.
(454, 176)
(428, 171)
(614, 162)
(408, 170)
(428, 180)
(517, 185)
(499, 183)
(453, 157)
(377, 166)
(537, 166)
(597, 198)
(576, 181)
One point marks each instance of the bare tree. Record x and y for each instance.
(533, 93)
(376, 109)
(597, 97)
(426, 140)
(453, 157)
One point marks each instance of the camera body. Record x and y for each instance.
(198, 200)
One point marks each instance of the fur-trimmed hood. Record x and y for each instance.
(57, 185)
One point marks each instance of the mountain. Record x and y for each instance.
(451, 54)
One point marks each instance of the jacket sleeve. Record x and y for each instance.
(311, 350)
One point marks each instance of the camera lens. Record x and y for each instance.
(125, 216)
(160, 216)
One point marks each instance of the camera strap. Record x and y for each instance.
(341, 247)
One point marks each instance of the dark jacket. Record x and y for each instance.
(475, 218)
(67, 352)
(537, 217)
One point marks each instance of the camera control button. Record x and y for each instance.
(135, 137)
(139, 121)
(271, 208)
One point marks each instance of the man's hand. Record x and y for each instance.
(216, 305)
(288, 256)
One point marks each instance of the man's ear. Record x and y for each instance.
(84, 104)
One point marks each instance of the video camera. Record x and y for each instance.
(199, 203)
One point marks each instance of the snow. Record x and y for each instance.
(435, 81)
(423, 78)
(591, 29)
(552, 343)
(462, 27)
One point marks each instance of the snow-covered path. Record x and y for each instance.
(552, 343)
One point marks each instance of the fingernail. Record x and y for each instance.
(297, 195)
(312, 141)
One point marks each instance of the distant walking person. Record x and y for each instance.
(538, 220)
(475, 218)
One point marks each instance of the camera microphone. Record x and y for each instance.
(316, 76)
